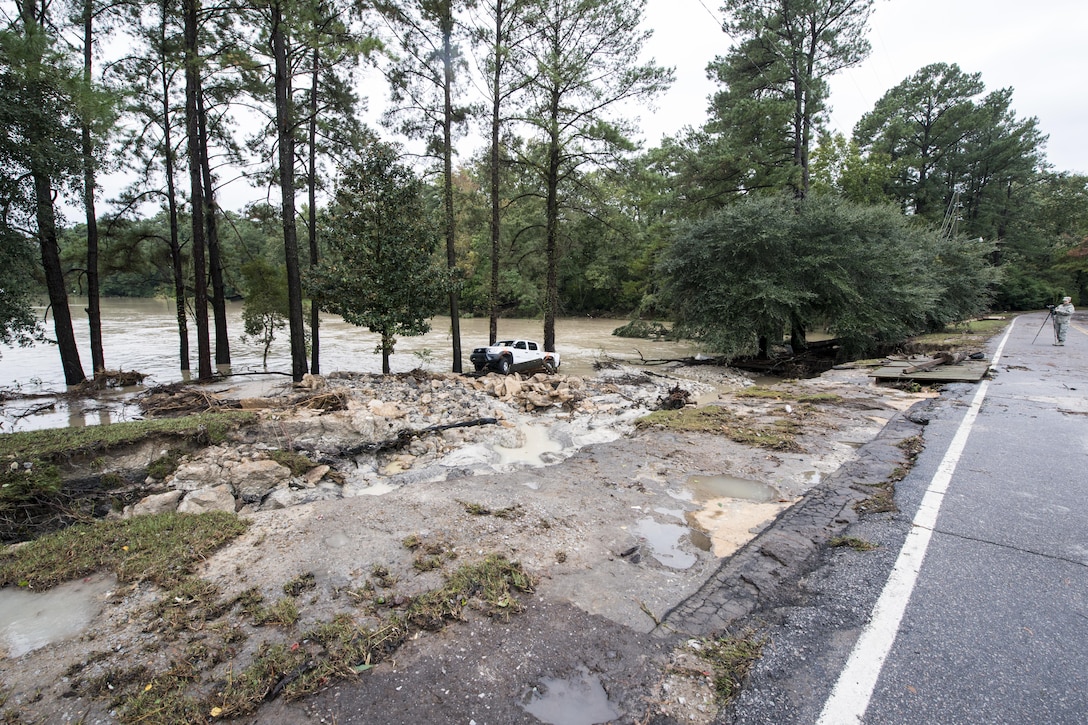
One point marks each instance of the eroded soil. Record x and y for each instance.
(614, 532)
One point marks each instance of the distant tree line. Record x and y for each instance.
(755, 225)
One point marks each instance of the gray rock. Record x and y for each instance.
(196, 475)
(217, 498)
(158, 503)
(253, 480)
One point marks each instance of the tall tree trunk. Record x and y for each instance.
(215, 262)
(315, 309)
(447, 173)
(33, 17)
(551, 299)
(496, 123)
(54, 281)
(286, 144)
(94, 308)
(196, 200)
(387, 351)
(176, 260)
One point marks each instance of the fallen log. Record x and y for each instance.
(940, 358)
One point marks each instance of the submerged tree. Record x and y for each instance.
(18, 325)
(41, 151)
(586, 63)
(380, 269)
(425, 83)
(504, 30)
(265, 306)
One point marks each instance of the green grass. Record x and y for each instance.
(760, 392)
(63, 442)
(778, 435)
(163, 549)
(852, 542)
(732, 658)
(297, 463)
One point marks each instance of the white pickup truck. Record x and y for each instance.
(508, 356)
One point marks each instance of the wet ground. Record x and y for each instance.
(617, 531)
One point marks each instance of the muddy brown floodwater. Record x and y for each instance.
(141, 335)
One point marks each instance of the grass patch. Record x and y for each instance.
(300, 584)
(912, 447)
(27, 484)
(341, 648)
(283, 613)
(166, 464)
(762, 393)
(475, 509)
(777, 434)
(297, 463)
(204, 428)
(732, 658)
(163, 549)
(202, 683)
(881, 499)
(853, 542)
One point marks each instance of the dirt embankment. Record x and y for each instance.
(616, 524)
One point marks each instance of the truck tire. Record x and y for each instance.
(549, 366)
(505, 366)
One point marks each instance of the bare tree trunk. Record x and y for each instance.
(551, 302)
(315, 309)
(32, 17)
(447, 173)
(493, 293)
(94, 308)
(172, 206)
(54, 282)
(196, 200)
(286, 143)
(215, 262)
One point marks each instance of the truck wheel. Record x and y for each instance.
(505, 366)
(549, 366)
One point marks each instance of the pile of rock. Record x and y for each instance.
(537, 392)
(243, 476)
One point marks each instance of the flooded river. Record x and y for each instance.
(141, 335)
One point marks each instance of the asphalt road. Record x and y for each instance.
(974, 606)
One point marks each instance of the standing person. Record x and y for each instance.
(1062, 313)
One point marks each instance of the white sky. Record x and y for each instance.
(1038, 48)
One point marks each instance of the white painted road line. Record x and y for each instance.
(850, 698)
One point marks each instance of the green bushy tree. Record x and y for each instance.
(380, 270)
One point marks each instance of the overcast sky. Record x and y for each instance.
(1038, 48)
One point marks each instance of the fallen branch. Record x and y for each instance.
(403, 438)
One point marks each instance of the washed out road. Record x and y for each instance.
(974, 606)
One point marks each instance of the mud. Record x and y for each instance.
(589, 527)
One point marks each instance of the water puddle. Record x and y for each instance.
(706, 488)
(663, 540)
(29, 620)
(733, 510)
(538, 445)
(577, 700)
